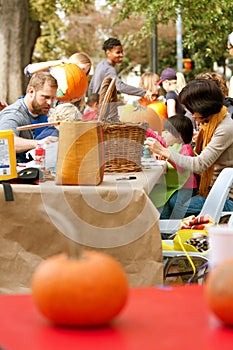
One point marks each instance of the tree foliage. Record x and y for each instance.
(63, 27)
(88, 30)
(75, 25)
(53, 14)
(50, 44)
(206, 24)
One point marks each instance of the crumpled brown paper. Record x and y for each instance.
(28, 235)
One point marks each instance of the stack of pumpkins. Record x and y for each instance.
(154, 114)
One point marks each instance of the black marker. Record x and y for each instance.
(126, 178)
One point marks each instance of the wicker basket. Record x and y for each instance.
(123, 146)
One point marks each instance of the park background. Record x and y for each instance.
(155, 34)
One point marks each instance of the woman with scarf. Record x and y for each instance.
(214, 146)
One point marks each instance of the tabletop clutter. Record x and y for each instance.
(192, 235)
(87, 149)
(198, 226)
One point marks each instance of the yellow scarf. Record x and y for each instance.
(204, 137)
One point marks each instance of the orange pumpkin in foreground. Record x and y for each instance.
(141, 114)
(72, 82)
(219, 291)
(88, 291)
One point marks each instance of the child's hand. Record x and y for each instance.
(195, 135)
(157, 149)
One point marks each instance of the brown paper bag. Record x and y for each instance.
(80, 153)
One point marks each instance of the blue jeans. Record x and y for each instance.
(194, 206)
(176, 206)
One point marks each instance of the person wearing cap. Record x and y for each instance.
(230, 50)
(168, 80)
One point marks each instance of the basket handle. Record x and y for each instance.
(106, 99)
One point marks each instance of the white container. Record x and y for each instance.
(221, 244)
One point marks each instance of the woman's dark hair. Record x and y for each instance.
(202, 96)
(180, 125)
(111, 43)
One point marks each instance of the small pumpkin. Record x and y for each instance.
(160, 108)
(87, 291)
(219, 291)
(141, 114)
(72, 82)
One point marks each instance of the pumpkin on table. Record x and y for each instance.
(140, 114)
(219, 291)
(72, 82)
(87, 291)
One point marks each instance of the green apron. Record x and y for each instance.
(171, 182)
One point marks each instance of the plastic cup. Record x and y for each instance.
(221, 244)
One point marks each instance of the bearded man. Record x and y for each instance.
(40, 94)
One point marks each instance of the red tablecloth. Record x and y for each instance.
(174, 318)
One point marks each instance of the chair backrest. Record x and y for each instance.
(218, 194)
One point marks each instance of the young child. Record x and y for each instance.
(91, 110)
(180, 184)
(172, 83)
(149, 82)
(63, 111)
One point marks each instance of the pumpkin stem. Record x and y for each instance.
(74, 250)
(139, 108)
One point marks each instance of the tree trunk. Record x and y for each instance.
(18, 34)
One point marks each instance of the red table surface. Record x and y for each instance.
(167, 318)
